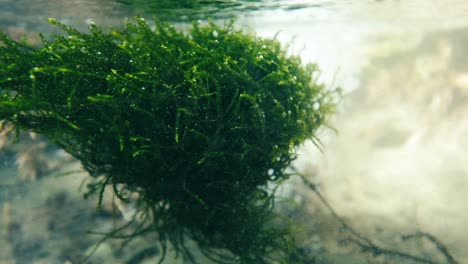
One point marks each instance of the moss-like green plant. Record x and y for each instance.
(197, 124)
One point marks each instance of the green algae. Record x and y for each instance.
(196, 124)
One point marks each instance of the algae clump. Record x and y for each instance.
(197, 124)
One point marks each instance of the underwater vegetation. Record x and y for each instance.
(200, 126)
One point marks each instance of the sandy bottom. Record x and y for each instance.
(398, 162)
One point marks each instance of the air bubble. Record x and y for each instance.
(89, 21)
(316, 106)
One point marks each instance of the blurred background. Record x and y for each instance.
(395, 165)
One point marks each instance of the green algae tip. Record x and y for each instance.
(195, 123)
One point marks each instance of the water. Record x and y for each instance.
(397, 163)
